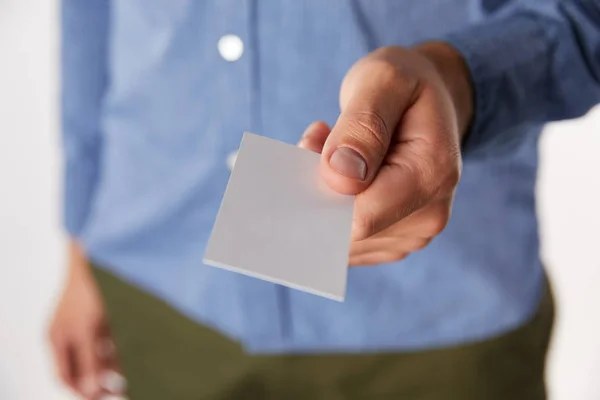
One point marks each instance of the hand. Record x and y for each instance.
(83, 349)
(396, 146)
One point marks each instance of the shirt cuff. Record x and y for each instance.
(500, 54)
(78, 187)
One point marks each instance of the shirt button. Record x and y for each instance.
(231, 47)
(231, 157)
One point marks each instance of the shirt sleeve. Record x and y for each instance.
(529, 65)
(84, 36)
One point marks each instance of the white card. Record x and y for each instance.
(279, 221)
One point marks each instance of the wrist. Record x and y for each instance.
(454, 72)
(78, 264)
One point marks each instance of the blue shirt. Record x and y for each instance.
(151, 110)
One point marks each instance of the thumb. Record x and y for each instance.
(361, 137)
(355, 149)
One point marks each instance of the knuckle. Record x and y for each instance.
(395, 256)
(420, 244)
(449, 165)
(395, 70)
(436, 163)
(363, 225)
(370, 127)
(424, 185)
(391, 256)
(361, 229)
(439, 177)
(421, 168)
(436, 222)
(427, 178)
(450, 171)
(452, 176)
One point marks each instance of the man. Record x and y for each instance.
(156, 95)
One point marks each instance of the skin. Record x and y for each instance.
(79, 333)
(404, 112)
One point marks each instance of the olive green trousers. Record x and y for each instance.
(166, 356)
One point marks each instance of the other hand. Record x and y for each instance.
(84, 353)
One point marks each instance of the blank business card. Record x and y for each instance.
(280, 222)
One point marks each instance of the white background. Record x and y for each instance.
(31, 242)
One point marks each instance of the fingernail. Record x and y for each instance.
(349, 163)
(114, 382)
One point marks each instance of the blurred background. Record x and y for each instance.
(32, 242)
